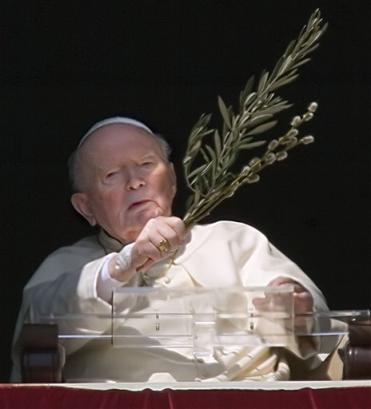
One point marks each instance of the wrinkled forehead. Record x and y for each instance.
(113, 140)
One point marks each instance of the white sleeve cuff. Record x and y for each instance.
(105, 283)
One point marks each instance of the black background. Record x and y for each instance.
(65, 65)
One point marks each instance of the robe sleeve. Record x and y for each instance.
(260, 263)
(227, 254)
(65, 283)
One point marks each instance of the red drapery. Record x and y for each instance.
(53, 397)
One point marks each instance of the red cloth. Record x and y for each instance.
(51, 397)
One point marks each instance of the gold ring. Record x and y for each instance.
(164, 246)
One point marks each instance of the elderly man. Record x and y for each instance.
(124, 183)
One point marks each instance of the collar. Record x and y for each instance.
(109, 243)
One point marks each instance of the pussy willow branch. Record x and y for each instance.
(208, 165)
(277, 150)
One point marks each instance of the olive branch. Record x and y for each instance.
(207, 166)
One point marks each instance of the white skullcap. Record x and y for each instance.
(114, 120)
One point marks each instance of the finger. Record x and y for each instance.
(172, 226)
(298, 288)
(143, 250)
(177, 225)
(168, 229)
(156, 230)
(261, 304)
(165, 232)
(303, 295)
(281, 281)
(303, 302)
(139, 260)
(146, 266)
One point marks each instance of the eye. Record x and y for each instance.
(110, 176)
(147, 163)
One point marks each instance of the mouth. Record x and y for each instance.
(138, 204)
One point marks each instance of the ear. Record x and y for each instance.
(80, 203)
(172, 177)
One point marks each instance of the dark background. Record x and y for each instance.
(64, 65)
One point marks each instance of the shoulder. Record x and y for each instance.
(68, 258)
(225, 229)
(222, 234)
(83, 249)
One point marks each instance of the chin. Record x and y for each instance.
(141, 219)
(150, 214)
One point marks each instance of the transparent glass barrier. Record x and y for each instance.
(202, 319)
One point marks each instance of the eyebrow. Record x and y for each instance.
(149, 155)
(146, 156)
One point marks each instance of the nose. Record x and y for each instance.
(135, 181)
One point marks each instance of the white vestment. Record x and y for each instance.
(222, 254)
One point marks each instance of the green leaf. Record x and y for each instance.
(247, 90)
(196, 171)
(217, 143)
(278, 108)
(203, 182)
(204, 155)
(205, 132)
(206, 169)
(224, 111)
(194, 147)
(258, 119)
(225, 130)
(278, 66)
(289, 49)
(262, 81)
(285, 65)
(211, 152)
(262, 128)
(203, 120)
(197, 196)
(284, 81)
(249, 84)
(245, 139)
(301, 63)
(249, 98)
(251, 145)
(189, 201)
(310, 49)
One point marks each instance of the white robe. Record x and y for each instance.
(223, 254)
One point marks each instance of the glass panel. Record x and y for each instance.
(202, 319)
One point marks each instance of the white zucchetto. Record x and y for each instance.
(111, 121)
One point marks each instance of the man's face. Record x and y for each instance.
(128, 181)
